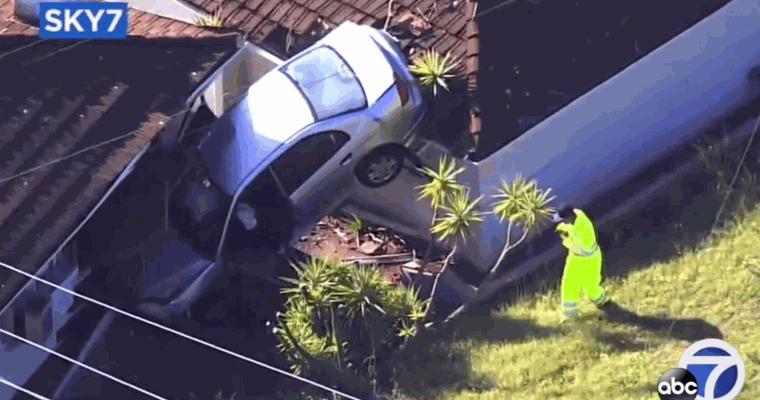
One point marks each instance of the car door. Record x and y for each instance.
(314, 172)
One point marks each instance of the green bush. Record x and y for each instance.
(346, 315)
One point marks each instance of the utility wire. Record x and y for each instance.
(20, 389)
(178, 333)
(64, 158)
(52, 53)
(85, 366)
(26, 46)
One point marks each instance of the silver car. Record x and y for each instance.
(285, 143)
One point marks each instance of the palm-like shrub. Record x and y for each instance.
(346, 315)
(523, 204)
(441, 185)
(434, 70)
(460, 213)
(213, 20)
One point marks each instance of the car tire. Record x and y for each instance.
(380, 167)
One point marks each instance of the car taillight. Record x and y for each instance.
(402, 87)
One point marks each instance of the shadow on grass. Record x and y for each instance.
(690, 329)
(438, 360)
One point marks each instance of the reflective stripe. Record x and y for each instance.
(584, 253)
(601, 300)
(571, 313)
(570, 305)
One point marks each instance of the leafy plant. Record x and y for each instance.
(213, 20)
(356, 226)
(344, 314)
(433, 70)
(523, 204)
(442, 184)
(460, 213)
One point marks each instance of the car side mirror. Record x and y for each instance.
(246, 215)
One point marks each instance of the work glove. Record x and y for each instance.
(564, 228)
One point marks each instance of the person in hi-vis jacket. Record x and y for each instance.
(583, 266)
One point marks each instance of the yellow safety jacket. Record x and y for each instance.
(579, 237)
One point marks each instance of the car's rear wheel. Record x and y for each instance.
(380, 167)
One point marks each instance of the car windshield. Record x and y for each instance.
(327, 82)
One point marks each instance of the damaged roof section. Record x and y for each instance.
(436, 24)
(72, 118)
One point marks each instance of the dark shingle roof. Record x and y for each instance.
(261, 18)
(62, 97)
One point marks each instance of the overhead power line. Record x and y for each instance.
(83, 365)
(21, 389)
(178, 333)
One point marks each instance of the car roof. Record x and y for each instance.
(357, 46)
(326, 81)
(277, 107)
(271, 113)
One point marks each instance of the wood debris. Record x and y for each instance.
(370, 247)
(416, 24)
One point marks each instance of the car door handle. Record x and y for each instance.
(346, 159)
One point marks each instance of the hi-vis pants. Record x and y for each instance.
(582, 276)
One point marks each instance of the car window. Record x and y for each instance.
(305, 158)
(327, 82)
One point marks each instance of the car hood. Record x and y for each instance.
(271, 112)
(172, 282)
(356, 45)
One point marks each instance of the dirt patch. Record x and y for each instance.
(333, 237)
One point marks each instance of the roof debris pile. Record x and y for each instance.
(334, 237)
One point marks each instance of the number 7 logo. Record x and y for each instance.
(718, 368)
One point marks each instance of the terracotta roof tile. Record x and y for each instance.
(329, 8)
(238, 17)
(366, 20)
(342, 14)
(443, 19)
(253, 5)
(281, 13)
(378, 9)
(457, 26)
(315, 5)
(305, 23)
(43, 118)
(264, 29)
(267, 8)
(445, 43)
(298, 14)
(228, 8)
(252, 23)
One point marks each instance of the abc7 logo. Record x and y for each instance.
(678, 384)
(709, 370)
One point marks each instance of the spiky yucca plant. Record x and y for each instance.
(213, 20)
(460, 214)
(357, 227)
(441, 185)
(522, 203)
(433, 70)
(345, 314)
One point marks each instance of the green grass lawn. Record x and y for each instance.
(525, 351)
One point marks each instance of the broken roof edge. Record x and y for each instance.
(106, 179)
(172, 9)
